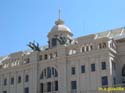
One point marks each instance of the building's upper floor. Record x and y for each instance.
(61, 43)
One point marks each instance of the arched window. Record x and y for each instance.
(91, 47)
(123, 70)
(83, 49)
(49, 75)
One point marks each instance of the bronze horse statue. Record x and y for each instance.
(34, 46)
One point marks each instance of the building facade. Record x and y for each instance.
(66, 65)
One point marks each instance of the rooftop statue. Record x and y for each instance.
(34, 46)
(61, 39)
(65, 40)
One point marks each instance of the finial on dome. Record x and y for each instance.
(59, 21)
(59, 13)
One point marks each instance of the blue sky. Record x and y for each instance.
(22, 21)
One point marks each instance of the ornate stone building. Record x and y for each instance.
(66, 65)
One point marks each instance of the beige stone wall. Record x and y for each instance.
(63, 58)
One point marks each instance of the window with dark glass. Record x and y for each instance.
(5, 81)
(56, 74)
(49, 87)
(123, 70)
(103, 65)
(114, 80)
(92, 67)
(87, 48)
(4, 91)
(41, 76)
(83, 49)
(26, 90)
(44, 72)
(53, 71)
(123, 81)
(40, 57)
(54, 43)
(50, 84)
(56, 85)
(91, 47)
(104, 45)
(19, 79)
(27, 60)
(73, 71)
(104, 80)
(26, 78)
(48, 72)
(12, 81)
(41, 88)
(73, 85)
(45, 56)
(83, 69)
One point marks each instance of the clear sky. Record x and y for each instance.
(22, 21)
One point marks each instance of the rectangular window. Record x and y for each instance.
(103, 65)
(4, 91)
(19, 79)
(83, 49)
(12, 81)
(54, 42)
(26, 90)
(104, 80)
(41, 88)
(123, 81)
(40, 57)
(45, 56)
(92, 67)
(56, 85)
(83, 69)
(49, 87)
(73, 85)
(26, 61)
(73, 71)
(91, 47)
(114, 80)
(5, 82)
(26, 78)
(87, 48)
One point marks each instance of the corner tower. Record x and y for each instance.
(60, 34)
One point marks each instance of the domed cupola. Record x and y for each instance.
(60, 34)
(59, 26)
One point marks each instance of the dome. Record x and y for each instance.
(59, 26)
